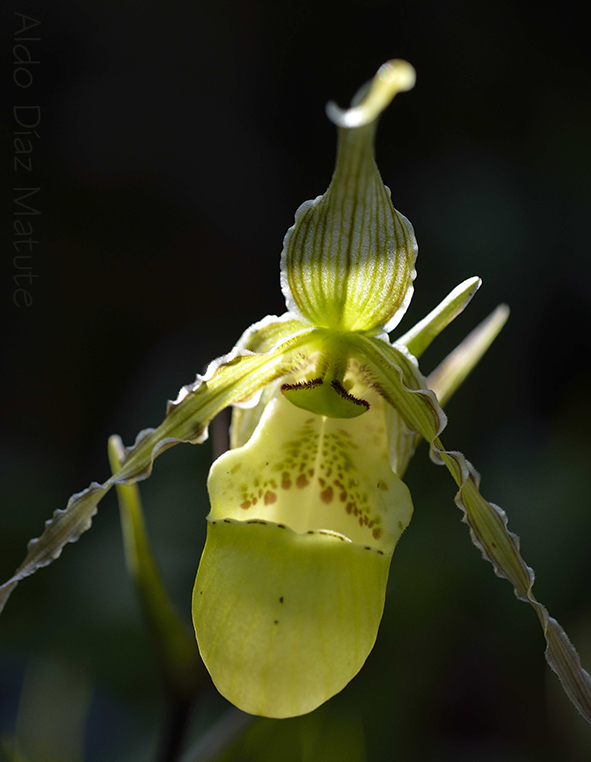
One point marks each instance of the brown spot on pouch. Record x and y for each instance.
(326, 495)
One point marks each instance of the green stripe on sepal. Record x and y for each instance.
(348, 261)
(175, 645)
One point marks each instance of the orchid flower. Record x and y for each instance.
(308, 504)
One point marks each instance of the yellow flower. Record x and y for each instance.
(309, 503)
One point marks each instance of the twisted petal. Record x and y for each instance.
(230, 379)
(404, 387)
(291, 584)
(348, 261)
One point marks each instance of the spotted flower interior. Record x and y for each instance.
(307, 507)
(314, 473)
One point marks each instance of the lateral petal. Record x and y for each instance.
(230, 379)
(405, 388)
(175, 646)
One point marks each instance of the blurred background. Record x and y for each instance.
(176, 141)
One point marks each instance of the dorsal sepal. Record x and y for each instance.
(348, 261)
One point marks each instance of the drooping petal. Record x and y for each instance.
(348, 261)
(291, 584)
(231, 378)
(418, 338)
(403, 386)
(269, 332)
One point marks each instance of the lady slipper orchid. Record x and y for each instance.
(308, 504)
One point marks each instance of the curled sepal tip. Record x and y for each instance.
(348, 261)
(393, 77)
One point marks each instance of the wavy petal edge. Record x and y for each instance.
(487, 522)
(186, 420)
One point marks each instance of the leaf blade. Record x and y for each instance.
(175, 645)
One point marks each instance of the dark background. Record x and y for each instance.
(176, 141)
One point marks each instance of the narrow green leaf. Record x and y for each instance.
(451, 373)
(402, 385)
(445, 380)
(175, 645)
(422, 334)
(230, 379)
